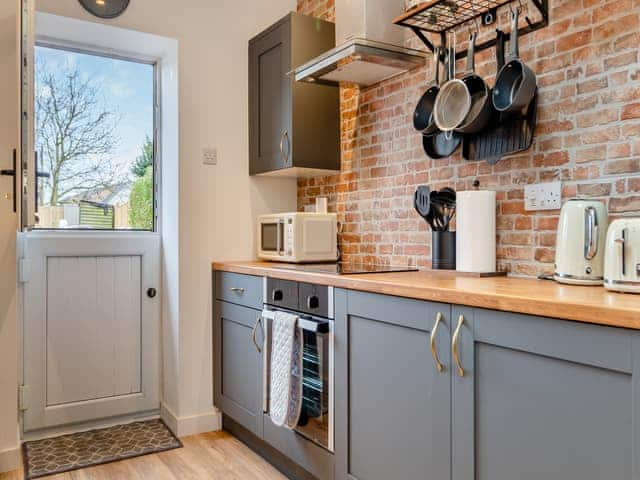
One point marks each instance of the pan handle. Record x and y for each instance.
(499, 49)
(515, 51)
(436, 66)
(471, 52)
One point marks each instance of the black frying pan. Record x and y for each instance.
(481, 107)
(441, 144)
(516, 83)
(423, 114)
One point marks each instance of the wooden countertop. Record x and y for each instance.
(530, 296)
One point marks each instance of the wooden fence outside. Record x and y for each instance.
(50, 217)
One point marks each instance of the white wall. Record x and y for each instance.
(9, 139)
(218, 205)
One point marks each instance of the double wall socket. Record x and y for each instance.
(543, 196)
(210, 156)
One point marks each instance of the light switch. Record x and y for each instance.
(210, 156)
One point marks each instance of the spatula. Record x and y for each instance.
(422, 203)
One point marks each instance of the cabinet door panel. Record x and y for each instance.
(528, 408)
(270, 94)
(239, 365)
(392, 404)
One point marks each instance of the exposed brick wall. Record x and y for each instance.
(588, 136)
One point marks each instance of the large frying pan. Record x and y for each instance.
(423, 113)
(516, 83)
(481, 107)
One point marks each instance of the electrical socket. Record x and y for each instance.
(210, 156)
(543, 196)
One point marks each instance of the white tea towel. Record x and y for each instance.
(286, 370)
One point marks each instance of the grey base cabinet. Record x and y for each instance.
(239, 365)
(518, 397)
(392, 402)
(544, 398)
(238, 338)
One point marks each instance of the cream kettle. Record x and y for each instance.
(622, 259)
(580, 244)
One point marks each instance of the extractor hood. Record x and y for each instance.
(369, 47)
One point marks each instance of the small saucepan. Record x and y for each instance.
(479, 93)
(423, 114)
(516, 83)
(453, 101)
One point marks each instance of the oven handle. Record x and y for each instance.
(320, 327)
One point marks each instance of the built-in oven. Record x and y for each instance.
(316, 422)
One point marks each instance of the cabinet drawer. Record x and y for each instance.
(240, 289)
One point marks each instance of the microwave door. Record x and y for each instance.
(271, 237)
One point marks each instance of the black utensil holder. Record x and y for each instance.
(443, 250)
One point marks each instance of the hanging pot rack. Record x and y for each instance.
(442, 16)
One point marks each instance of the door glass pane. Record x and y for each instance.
(94, 138)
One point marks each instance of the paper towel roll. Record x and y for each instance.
(476, 231)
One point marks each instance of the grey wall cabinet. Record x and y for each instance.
(291, 124)
(544, 398)
(393, 412)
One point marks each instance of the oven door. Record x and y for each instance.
(316, 421)
(271, 244)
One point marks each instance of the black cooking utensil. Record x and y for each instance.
(441, 144)
(422, 201)
(513, 134)
(423, 113)
(481, 107)
(516, 83)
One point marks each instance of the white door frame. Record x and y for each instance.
(163, 51)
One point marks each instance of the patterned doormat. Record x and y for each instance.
(95, 447)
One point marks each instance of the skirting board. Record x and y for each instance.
(191, 425)
(10, 459)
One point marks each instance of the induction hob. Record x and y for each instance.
(345, 268)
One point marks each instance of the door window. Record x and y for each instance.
(95, 141)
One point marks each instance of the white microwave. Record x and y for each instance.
(298, 237)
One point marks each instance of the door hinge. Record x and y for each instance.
(23, 403)
(24, 270)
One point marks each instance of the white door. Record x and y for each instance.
(89, 258)
(91, 326)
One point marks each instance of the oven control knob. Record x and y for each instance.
(277, 295)
(313, 302)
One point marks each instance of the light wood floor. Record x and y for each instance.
(210, 456)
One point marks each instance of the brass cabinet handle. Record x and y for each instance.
(434, 333)
(253, 334)
(237, 289)
(454, 346)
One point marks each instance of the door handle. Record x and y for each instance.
(434, 333)
(13, 173)
(151, 292)
(454, 346)
(237, 289)
(253, 334)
